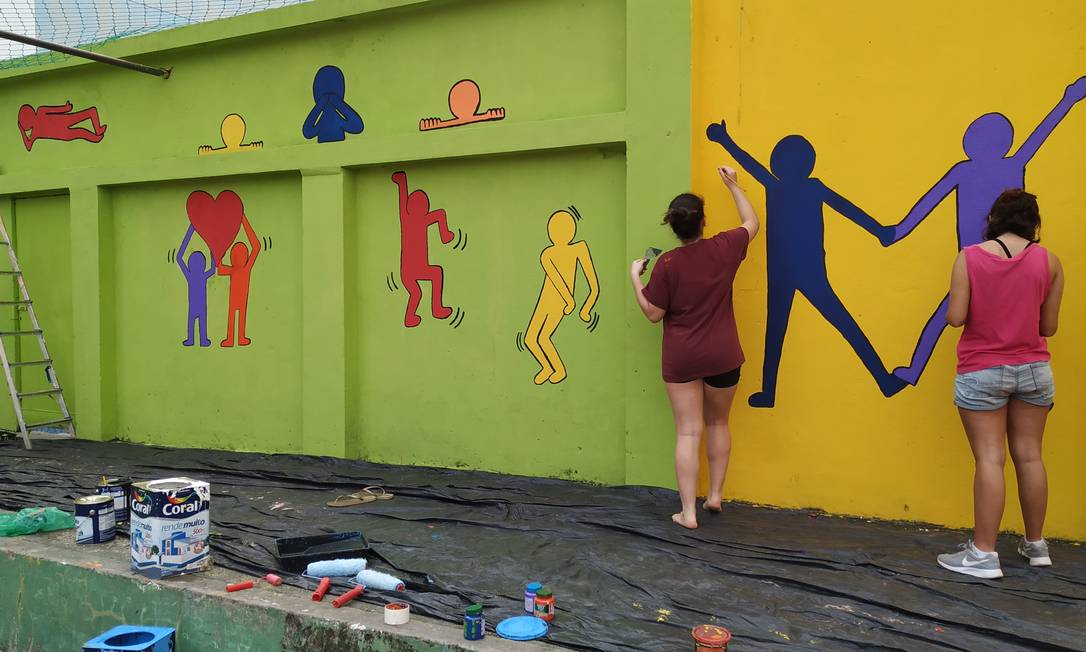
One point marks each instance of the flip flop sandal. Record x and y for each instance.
(351, 500)
(376, 493)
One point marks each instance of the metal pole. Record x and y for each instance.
(93, 56)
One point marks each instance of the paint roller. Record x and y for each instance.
(336, 567)
(372, 579)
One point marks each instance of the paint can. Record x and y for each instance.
(397, 613)
(708, 638)
(94, 519)
(170, 526)
(544, 604)
(529, 596)
(120, 489)
(474, 623)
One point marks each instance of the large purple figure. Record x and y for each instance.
(979, 179)
(196, 277)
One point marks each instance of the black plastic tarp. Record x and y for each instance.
(625, 577)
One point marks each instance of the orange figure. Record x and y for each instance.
(239, 270)
(464, 103)
(58, 123)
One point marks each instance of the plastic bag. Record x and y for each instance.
(35, 519)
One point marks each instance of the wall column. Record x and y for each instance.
(324, 389)
(658, 145)
(90, 225)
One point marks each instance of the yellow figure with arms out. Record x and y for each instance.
(232, 131)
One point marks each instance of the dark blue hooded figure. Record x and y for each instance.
(331, 118)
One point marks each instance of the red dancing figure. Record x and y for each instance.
(58, 123)
(415, 220)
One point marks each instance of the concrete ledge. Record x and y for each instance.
(56, 595)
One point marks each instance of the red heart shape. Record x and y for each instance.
(217, 220)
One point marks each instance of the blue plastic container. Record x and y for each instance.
(136, 639)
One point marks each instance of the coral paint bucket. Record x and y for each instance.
(708, 638)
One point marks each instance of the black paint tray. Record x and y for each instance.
(296, 553)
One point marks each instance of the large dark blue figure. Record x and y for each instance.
(331, 118)
(796, 254)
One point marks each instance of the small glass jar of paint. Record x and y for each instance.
(474, 623)
(544, 604)
(529, 596)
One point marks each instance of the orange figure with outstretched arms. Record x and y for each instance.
(239, 270)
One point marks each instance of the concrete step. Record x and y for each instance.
(56, 595)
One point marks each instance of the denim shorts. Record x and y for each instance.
(992, 388)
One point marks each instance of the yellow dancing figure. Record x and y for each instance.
(556, 298)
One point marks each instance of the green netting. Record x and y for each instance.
(89, 24)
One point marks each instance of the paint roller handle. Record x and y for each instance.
(322, 588)
(348, 596)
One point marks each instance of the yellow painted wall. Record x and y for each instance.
(884, 92)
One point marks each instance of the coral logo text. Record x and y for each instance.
(176, 506)
(141, 503)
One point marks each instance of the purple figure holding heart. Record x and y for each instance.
(979, 179)
(196, 277)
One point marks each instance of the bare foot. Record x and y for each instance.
(688, 523)
(713, 506)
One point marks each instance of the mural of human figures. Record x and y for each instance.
(58, 123)
(232, 131)
(196, 278)
(979, 179)
(415, 220)
(218, 220)
(557, 296)
(464, 102)
(331, 118)
(796, 254)
(240, 271)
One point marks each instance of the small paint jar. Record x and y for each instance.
(544, 604)
(529, 596)
(474, 623)
(709, 638)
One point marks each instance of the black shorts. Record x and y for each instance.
(726, 379)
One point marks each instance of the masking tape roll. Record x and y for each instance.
(397, 613)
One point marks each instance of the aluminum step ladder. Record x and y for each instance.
(62, 427)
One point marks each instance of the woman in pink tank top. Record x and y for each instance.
(1006, 293)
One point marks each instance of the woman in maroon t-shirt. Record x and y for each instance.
(691, 290)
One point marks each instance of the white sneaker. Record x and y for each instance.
(970, 561)
(1035, 551)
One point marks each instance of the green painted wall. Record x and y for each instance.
(466, 395)
(597, 100)
(215, 394)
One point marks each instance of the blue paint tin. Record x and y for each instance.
(94, 519)
(474, 623)
(119, 489)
